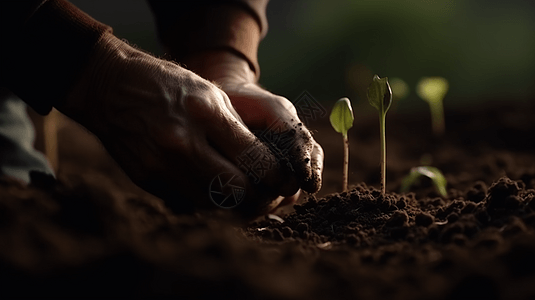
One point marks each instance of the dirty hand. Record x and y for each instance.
(171, 131)
(264, 112)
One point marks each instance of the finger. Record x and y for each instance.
(206, 181)
(275, 205)
(289, 200)
(300, 155)
(285, 201)
(282, 130)
(293, 145)
(306, 157)
(186, 172)
(314, 183)
(240, 146)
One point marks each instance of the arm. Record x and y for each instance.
(45, 46)
(225, 51)
(170, 130)
(188, 27)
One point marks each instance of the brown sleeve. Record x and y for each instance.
(186, 27)
(47, 45)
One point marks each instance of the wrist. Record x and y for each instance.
(221, 66)
(214, 28)
(102, 70)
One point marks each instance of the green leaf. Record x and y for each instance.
(431, 172)
(380, 94)
(432, 89)
(342, 116)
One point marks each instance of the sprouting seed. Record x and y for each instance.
(431, 172)
(342, 119)
(433, 90)
(380, 97)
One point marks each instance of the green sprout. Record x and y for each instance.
(433, 90)
(342, 119)
(431, 172)
(380, 97)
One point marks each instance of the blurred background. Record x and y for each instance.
(484, 48)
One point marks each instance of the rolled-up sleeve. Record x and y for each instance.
(190, 26)
(45, 47)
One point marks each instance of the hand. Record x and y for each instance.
(263, 111)
(171, 131)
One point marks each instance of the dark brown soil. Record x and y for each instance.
(92, 234)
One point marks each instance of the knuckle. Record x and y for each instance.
(318, 151)
(285, 104)
(203, 102)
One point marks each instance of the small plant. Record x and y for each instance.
(342, 119)
(380, 97)
(431, 172)
(433, 90)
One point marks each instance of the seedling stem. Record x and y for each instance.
(380, 97)
(346, 163)
(382, 121)
(342, 119)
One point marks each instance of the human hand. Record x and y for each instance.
(171, 131)
(263, 111)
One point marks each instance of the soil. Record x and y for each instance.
(93, 234)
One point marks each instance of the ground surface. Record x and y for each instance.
(93, 234)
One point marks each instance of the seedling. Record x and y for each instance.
(433, 90)
(380, 97)
(433, 173)
(342, 119)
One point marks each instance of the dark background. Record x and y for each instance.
(486, 49)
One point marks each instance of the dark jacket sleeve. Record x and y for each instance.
(45, 46)
(186, 27)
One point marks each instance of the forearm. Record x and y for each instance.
(187, 28)
(46, 49)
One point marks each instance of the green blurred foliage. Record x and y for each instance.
(486, 49)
